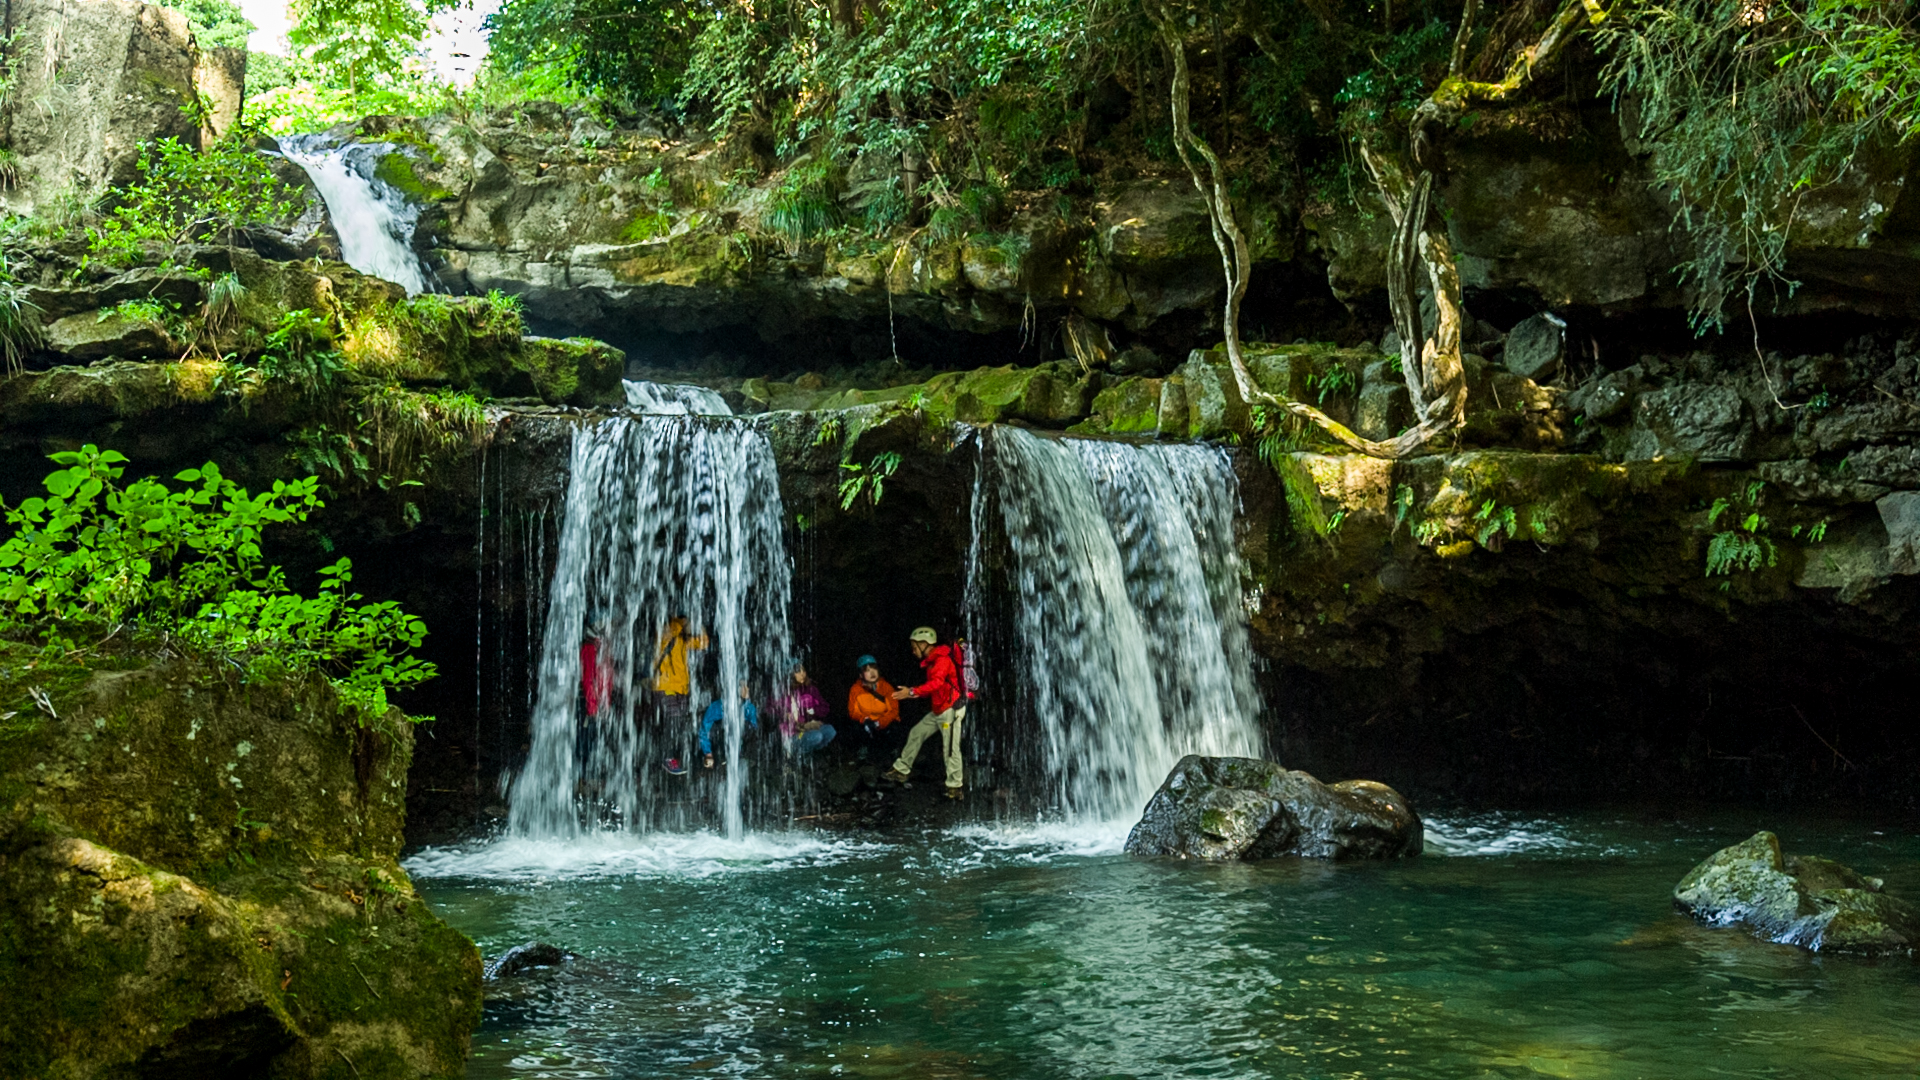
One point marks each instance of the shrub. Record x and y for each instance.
(183, 197)
(96, 560)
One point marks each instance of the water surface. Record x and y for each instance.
(1517, 947)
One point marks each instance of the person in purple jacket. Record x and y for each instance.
(803, 714)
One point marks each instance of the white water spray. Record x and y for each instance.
(375, 222)
(665, 516)
(674, 399)
(1129, 636)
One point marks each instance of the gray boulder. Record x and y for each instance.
(1536, 346)
(1808, 901)
(1243, 808)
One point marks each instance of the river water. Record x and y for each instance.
(1518, 946)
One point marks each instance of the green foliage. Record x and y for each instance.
(97, 559)
(829, 432)
(1496, 521)
(215, 23)
(633, 51)
(870, 478)
(21, 328)
(1384, 94)
(1749, 108)
(182, 197)
(222, 308)
(1745, 546)
(1402, 505)
(300, 353)
(804, 206)
(1336, 380)
(366, 40)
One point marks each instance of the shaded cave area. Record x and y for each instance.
(1548, 702)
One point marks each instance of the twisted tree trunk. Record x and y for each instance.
(1431, 365)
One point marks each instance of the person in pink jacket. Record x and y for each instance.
(803, 713)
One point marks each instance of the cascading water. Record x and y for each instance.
(664, 516)
(674, 399)
(375, 222)
(1128, 636)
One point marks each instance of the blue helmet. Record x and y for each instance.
(865, 661)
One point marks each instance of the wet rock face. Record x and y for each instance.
(1243, 808)
(1805, 900)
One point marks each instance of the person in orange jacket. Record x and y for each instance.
(870, 701)
(947, 695)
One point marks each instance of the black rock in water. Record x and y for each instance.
(1244, 808)
(529, 957)
(1805, 900)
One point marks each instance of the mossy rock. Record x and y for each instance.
(1130, 407)
(200, 875)
(1049, 395)
(396, 171)
(1807, 901)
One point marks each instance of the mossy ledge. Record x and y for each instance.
(200, 876)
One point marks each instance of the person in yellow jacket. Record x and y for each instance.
(672, 686)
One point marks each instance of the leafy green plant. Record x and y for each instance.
(829, 431)
(183, 197)
(21, 328)
(1748, 109)
(870, 478)
(1335, 380)
(1745, 546)
(96, 559)
(300, 352)
(1402, 504)
(221, 311)
(1495, 521)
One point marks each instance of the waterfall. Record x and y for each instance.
(1128, 634)
(375, 222)
(664, 516)
(674, 399)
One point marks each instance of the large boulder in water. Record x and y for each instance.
(1243, 808)
(1804, 900)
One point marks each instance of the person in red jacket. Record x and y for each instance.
(945, 694)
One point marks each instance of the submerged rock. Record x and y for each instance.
(1243, 808)
(524, 958)
(1808, 901)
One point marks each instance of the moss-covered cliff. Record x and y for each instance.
(199, 877)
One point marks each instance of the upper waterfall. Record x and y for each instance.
(1126, 625)
(374, 221)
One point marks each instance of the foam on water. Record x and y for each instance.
(1494, 834)
(633, 855)
(1042, 841)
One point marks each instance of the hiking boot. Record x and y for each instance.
(894, 775)
(956, 794)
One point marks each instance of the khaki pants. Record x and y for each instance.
(948, 725)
